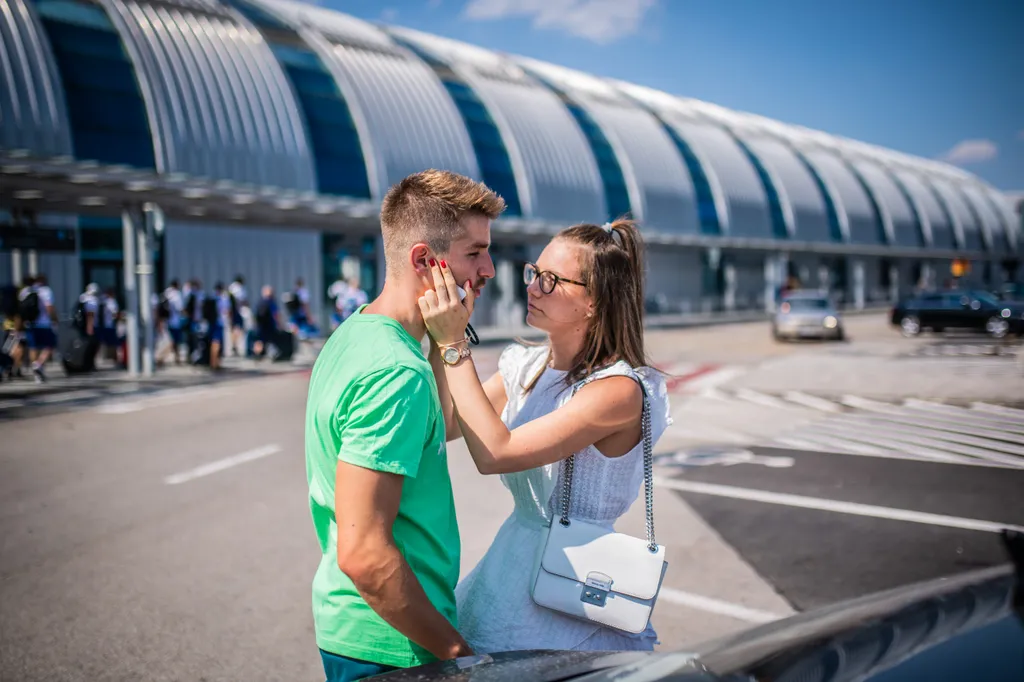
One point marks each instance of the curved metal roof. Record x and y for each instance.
(222, 104)
(1012, 220)
(32, 111)
(808, 210)
(406, 120)
(853, 206)
(940, 230)
(969, 231)
(660, 188)
(991, 221)
(558, 178)
(897, 213)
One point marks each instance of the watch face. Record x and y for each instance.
(451, 355)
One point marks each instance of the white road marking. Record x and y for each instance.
(821, 504)
(812, 401)
(999, 409)
(161, 399)
(758, 398)
(8, 404)
(67, 397)
(712, 379)
(866, 404)
(723, 608)
(222, 464)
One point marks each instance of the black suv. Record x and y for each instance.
(974, 310)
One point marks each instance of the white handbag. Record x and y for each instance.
(595, 574)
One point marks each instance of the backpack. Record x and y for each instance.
(163, 308)
(292, 303)
(28, 308)
(264, 319)
(209, 311)
(190, 306)
(78, 317)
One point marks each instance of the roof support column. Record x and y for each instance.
(131, 300)
(857, 266)
(151, 215)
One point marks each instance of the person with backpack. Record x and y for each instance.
(214, 308)
(170, 309)
(266, 322)
(35, 307)
(240, 313)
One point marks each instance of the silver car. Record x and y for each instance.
(807, 315)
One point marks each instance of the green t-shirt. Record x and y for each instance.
(373, 403)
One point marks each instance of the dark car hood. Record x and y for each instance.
(519, 666)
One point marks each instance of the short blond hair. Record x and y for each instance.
(429, 207)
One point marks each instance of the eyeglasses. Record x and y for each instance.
(548, 280)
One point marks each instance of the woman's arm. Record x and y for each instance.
(494, 389)
(598, 410)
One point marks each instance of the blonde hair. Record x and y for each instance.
(429, 207)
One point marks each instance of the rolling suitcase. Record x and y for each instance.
(77, 351)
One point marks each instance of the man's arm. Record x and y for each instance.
(366, 505)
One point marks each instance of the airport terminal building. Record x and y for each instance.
(264, 134)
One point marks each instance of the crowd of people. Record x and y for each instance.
(192, 325)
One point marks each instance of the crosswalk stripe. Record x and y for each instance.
(991, 437)
(999, 409)
(814, 402)
(865, 403)
(974, 416)
(887, 441)
(815, 442)
(950, 442)
(758, 398)
(953, 433)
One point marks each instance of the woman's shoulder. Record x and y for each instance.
(518, 357)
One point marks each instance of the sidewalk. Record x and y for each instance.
(109, 381)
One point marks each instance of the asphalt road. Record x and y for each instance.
(819, 556)
(166, 536)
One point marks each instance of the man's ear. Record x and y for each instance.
(419, 256)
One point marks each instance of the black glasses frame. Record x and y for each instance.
(546, 276)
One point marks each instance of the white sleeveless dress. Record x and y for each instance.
(496, 611)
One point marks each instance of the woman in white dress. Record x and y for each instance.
(586, 293)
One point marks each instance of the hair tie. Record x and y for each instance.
(608, 227)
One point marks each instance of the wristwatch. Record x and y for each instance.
(451, 355)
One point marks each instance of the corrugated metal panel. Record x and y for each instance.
(64, 276)
(1012, 220)
(967, 227)
(661, 190)
(215, 253)
(748, 213)
(221, 101)
(939, 226)
(562, 182)
(412, 122)
(852, 202)
(991, 222)
(897, 214)
(407, 122)
(32, 111)
(809, 210)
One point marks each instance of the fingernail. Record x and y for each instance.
(443, 264)
(433, 262)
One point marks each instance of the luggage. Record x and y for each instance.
(77, 351)
(282, 347)
(201, 350)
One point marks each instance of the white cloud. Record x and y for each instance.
(971, 151)
(601, 21)
(388, 14)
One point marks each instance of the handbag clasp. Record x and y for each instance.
(596, 589)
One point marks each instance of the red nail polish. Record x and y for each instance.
(433, 262)
(443, 264)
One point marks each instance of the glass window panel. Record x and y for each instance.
(347, 178)
(327, 110)
(113, 147)
(84, 40)
(107, 111)
(75, 13)
(312, 81)
(99, 74)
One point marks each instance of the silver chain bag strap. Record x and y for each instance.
(592, 573)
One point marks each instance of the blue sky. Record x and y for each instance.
(940, 79)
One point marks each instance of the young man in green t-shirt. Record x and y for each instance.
(379, 490)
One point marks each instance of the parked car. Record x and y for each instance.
(964, 628)
(807, 315)
(973, 310)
